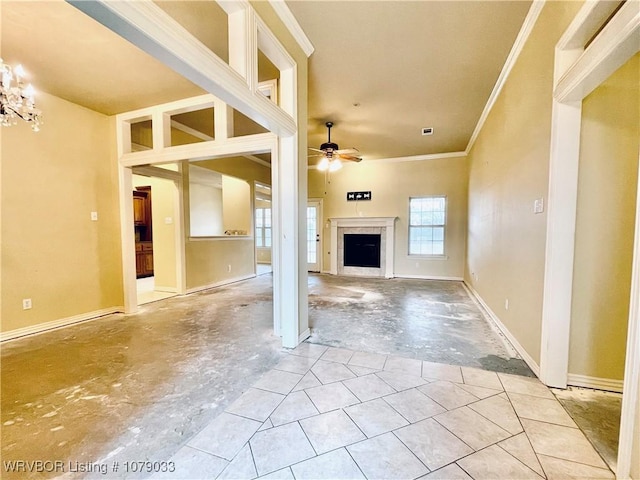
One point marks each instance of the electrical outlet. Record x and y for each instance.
(26, 304)
(506, 304)
(229, 268)
(538, 205)
(94, 216)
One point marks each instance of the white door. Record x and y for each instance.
(314, 252)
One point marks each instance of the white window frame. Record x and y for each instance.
(443, 225)
(260, 231)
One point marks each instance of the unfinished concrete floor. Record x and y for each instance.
(436, 321)
(139, 387)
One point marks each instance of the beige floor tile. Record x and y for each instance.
(368, 387)
(385, 457)
(472, 428)
(495, 463)
(267, 424)
(295, 364)
(524, 385)
(413, 405)
(284, 474)
(440, 371)
(520, 447)
(433, 444)
(447, 394)
(332, 396)
(330, 466)
(340, 355)
(375, 417)
(278, 381)
(400, 381)
(481, 378)
(450, 472)
(241, 467)
(256, 404)
(561, 442)
(225, 435)
(479, 392)
(191, 463)
(331, 430)
(408, 366)
(541, 409)
(361, 371)
(558, 469)
(309, 350)
(280, 447)
(296, 406)
(368, 360)
(498, 409)
(308, 381)
(329, 372)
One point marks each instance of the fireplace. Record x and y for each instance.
(362, 250)
(362, 246)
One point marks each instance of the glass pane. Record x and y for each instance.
(438, 248)
(267, 217)
(267, 237)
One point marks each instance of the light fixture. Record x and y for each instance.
(324, 163)
(16, 100)
(335, 165)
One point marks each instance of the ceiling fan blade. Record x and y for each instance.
(316, 150)
(315, 155)
(350, 158)
(348, 151)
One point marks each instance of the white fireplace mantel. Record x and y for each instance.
(388, 223)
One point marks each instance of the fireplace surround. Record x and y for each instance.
(383, 226)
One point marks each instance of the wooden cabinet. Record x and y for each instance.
(144, 259)
(143, 231)
(140, 213)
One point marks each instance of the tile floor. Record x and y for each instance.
(332, 413)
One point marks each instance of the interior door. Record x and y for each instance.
(314, 252)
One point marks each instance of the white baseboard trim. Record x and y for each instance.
(607, 384)
(55, 324)
(165, 289)
(428, 277)
(221, 283)
(304, 335)
(493, 318)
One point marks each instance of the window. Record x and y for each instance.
(427, 219)
(263, 227)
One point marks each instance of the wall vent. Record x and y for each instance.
(427, 131)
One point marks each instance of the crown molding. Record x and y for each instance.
(521, 39)
(287, 17)
(420, 158)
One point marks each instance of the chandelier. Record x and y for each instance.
(16, 100)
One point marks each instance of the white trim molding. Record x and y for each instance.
(429, 277)
(56, 324)
(607, 384)
(293, 26)
(221, 283)
(417, 158)
(304, 335)
(495, 321)
(521, 39)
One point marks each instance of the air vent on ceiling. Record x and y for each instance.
(427, 131)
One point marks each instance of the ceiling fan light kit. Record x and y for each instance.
(332, 156)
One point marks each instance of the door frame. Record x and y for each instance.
(578, 71)
(319, 231)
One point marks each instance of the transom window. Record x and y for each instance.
(427, 221)
(263, 227)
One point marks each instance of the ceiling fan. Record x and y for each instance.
(332, 156)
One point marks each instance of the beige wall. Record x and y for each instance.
(163, 206)
(51, 250)
(237, 210)
(607, 185)
(391, 185)
(509, 170)
(208, 259)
